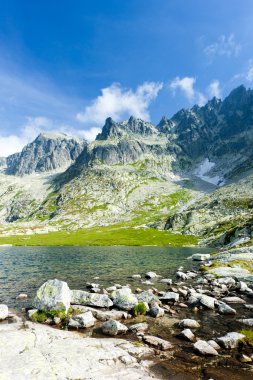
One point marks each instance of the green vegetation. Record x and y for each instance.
(235, 263)
(248, 336)
(110, 235)
(42, 316)
(140, 309)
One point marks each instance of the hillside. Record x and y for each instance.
(191, 174)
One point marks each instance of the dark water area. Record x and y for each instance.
(24, 269)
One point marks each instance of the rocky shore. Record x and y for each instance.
(200, 327)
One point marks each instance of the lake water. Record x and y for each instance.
(24, 269)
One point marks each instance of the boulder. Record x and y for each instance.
(147, 296)
(228, 281)
(223, 308)
(31, 312)
(113, 328)
(4, 311)
(201, 256)
(80, 297)
(53, 295)
(230, 340)
(187, 334)
(247, 321)
(158, 343)
(233, 300)
(166, 281)
(150, 275)
(207, 301)
(83, 320)
(139, 327)
(124, 299)
(188, 323)
(204, 348)
(183, 276)
(22, 297)
(214, 344)
(156, 312)
(102, 315)
(170, 297)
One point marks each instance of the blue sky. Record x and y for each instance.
(68, 65)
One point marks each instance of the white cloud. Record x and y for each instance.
(10, 144)
(91, 133)
(224, 46)
(186, 85)
(117, 102)
(249, 73)
(214, 89)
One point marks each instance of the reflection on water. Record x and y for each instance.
(24, 269)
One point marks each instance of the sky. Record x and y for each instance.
(69, 65)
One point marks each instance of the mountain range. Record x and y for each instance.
(191, 174)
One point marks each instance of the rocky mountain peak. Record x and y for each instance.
(49, 151)
(111, 129)
(165, 125)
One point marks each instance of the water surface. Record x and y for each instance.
(24, 269)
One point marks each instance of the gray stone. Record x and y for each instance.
(230, 340)
(136, 276)
(150, 275)
(4, 311)
(80, 297)
(156, 312)
(102, 315)
(21, 297)
(170, 297)
(166, 281)
(223, 308)
(187, 334)
(53, 295)
(183, 276)
(204, 348)
(139, 327)
(233, 300)
(158, 343)
(207, 301)
(247, 321)
(188, 323)
(113, 328)
(83, 320)
(214, 344)
(124, 299)
(147, 296)
(201, 256)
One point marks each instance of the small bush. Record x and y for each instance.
(140, 309)
(42, 316)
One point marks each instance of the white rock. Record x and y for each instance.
(203, 348)
(233, 300)
(139, 327)
(156, 312)
(53, 295)
(124, 299)
(247, 321)
(188, 323)
(166, 281)
(151, 275)
(136, 276)
(80, 297)
(170, 296)
(187, 334)
(230, 340)
(183, 276)
(3, 312)
(113, 328)
(21, 297)
(201, 256)
(214, 344)
(159, 343)
(223, 308)
(82, 320)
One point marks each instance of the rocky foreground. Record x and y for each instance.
(200, 327)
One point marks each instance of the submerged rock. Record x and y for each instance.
(150, 275)
(204, 348)
(4, 311)
(233, 300)
(53, 295)
(80, 297)
(113, 328)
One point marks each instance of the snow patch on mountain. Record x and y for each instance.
(204, 168)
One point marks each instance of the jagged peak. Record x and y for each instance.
(54, 135)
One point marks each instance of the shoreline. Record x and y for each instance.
(213, 324)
